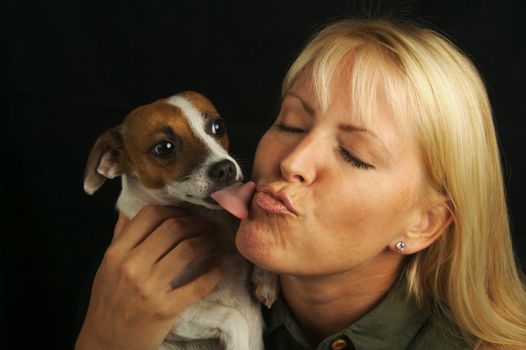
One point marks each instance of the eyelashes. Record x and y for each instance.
(346, 155)
(284, 128)
(353, 160)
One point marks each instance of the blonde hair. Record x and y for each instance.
(470, 272)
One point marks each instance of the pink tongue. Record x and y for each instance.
(235, 198)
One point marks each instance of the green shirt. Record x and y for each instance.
(394, 324)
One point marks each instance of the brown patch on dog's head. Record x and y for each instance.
(155, 143)
(150, 126)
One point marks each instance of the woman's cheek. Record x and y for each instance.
(263, 158)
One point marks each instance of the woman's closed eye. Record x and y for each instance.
(353, 160)
(345, 154)
(287, 128)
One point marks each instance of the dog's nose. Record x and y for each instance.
(223, 172)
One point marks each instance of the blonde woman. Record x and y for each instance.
(379, 204)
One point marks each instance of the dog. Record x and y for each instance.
(174, 152)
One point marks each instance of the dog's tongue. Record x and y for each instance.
(235, 198)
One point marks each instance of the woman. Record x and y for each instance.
(380, 204)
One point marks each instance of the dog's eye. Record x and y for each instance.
(163, 148)
(218, 128)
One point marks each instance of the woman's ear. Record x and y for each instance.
(105, 160)
(429, 225)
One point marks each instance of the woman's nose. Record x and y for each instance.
(299, 165)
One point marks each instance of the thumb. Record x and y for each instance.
(122, 221)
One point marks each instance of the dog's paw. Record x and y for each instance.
(266, 286)
(266, 295)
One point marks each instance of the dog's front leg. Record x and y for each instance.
(207, 320)
(266, 286)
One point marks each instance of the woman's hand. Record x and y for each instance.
(133, 305)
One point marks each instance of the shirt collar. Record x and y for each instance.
(392, 324)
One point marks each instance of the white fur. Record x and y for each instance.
(134, 196)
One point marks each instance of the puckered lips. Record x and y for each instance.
(273, 201)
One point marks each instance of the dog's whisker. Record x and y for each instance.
(186, 178)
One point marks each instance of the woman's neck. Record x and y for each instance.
(326, 304)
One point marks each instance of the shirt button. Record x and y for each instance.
(340, 344)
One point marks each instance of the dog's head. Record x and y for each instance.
(176, 149)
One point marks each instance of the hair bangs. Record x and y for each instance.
(368, 70)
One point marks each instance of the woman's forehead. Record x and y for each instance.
(363, 97)
(369, 106)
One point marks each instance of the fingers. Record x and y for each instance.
(182, 297)
(138, 228)
(154, 249)
(168, 235)
(121, 222)
(190, 250)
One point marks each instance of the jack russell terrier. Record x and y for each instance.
(173, 152)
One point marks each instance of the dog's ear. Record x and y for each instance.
(105, 160)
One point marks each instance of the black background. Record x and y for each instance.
(72, 69)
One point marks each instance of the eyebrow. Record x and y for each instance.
(353, 128)
(168, 131)
(211, 115)
(306, 106)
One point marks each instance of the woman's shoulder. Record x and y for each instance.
(440, 332)
(443, 333)
(488, 346)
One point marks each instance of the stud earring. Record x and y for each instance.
(400, 246)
